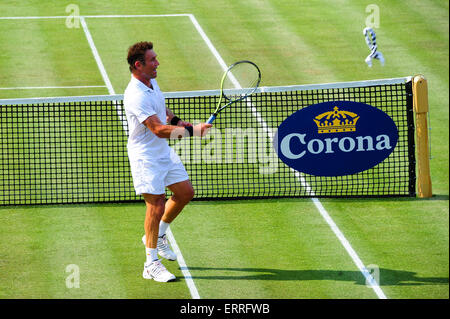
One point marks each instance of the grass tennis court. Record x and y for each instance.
(271, 248)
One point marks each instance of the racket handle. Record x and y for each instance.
(211, 119)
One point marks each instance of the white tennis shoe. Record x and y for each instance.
(163, 248)
(156, 271)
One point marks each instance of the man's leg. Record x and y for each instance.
(154, 211)
(183, 192)
(153, 269)
(182, 195)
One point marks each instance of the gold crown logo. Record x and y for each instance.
(336, 121)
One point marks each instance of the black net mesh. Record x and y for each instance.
(75, 152)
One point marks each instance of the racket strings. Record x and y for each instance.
(242, 79)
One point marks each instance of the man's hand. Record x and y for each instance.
(201, 129)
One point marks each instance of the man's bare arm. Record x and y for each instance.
(170, 131)
(170, 116)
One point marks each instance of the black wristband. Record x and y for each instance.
(190, 130)
(174, 120)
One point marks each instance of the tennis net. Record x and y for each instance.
(73, 149)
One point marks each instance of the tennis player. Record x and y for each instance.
(155, 165)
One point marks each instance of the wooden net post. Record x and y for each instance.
(420, 103)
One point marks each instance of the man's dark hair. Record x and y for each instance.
(137, 53)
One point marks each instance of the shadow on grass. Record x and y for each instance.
(388, 277)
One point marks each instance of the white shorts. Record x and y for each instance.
(152, 177)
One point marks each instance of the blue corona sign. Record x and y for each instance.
(335, 138)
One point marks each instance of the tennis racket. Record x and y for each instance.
(238, 82)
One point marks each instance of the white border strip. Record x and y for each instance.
(338, 85)
(289, 88)
(200, 93)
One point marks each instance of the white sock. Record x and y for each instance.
(151, 254)
(162, 228)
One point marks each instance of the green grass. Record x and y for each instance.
(388, 234)
(279, 248)
(245, 251)
(39, 249)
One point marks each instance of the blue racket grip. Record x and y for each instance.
(211, 119)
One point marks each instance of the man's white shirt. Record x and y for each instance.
(140, 102)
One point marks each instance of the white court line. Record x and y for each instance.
(373, 284)
(138, 15)
(184, 269)
(33, 18)
(103, 72)
(366, 273)
(97, 57)
(53, 87)
(99, 16)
